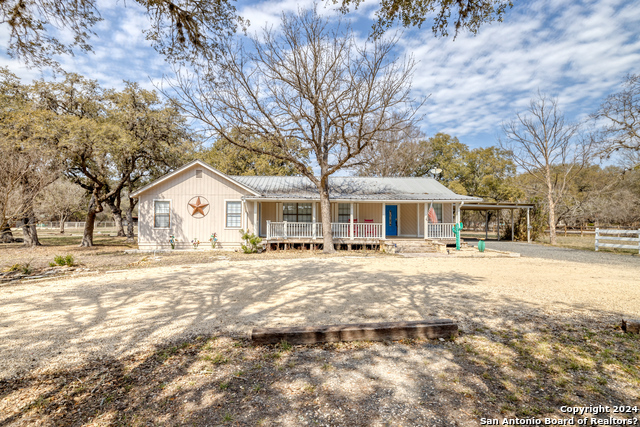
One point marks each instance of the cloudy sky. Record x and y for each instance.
(576, 50)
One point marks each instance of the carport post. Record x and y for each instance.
(512, 224)
(528, 228)
(486, 226)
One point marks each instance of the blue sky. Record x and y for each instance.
(578, 51)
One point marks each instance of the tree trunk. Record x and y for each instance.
(29, 230)
(132, 204)
(87, 238)
(552, 206)
(325, 213)
(114, 206)
(552, 220)
(6, 236)
(62, 219)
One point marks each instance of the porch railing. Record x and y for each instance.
(309, 230)
(441, 230)
(340, 230)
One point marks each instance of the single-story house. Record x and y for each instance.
(196, 200)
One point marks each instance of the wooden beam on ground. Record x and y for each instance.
(430, 328)
(631, 326)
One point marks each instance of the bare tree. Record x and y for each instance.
(621, 112)
(547, 148)
(400, 153)
(309, 83)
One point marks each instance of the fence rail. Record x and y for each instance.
(74, 224)
(618, 236)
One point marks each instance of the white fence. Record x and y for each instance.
(612, 236)
(75, 224)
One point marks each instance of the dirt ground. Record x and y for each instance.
(167, 344)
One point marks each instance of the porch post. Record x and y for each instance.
(512, 225)
(256, 230)
(351, 225)
(528, 228)
(417, 219)
(268, 229)
(426, 221)
(384, 221)
(313, 219)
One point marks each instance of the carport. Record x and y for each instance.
(498, 206)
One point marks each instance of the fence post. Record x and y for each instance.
(268, 229)
(639, 240)
(597, 235)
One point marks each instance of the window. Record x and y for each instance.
(296, 212)
(438, 208)
(161, 213)
(234, 214)
(198, 173)
(344, 212)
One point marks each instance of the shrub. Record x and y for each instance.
(251, 242)
(63, 260)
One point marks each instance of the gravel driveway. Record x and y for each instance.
(63, 322)
(535, 250)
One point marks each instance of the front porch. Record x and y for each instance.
(354, 223)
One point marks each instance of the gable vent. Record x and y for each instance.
(198, 173)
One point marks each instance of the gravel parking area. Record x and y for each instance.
(62, 322)
(168, 345)
(535, 250)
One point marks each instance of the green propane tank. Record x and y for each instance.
(481, 245)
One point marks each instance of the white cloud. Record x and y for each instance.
(578, 51)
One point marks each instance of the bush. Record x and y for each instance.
(63, 260)
(251, 242)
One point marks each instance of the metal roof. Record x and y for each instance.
(351, 188)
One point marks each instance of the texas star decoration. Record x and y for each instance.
(198, 207)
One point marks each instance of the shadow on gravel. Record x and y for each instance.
(522, 372)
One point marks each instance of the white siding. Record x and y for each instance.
(180, 189)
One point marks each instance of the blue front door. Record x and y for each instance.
(392, 220)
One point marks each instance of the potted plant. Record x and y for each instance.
(213, 240)
(172, 240)
(195, 243)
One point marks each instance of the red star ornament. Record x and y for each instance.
(198, 207)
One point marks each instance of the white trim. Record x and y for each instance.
(170, 175)
(224, 214)
(153, 207)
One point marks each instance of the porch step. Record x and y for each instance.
(413, 246)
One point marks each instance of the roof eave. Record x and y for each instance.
(171, 174)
